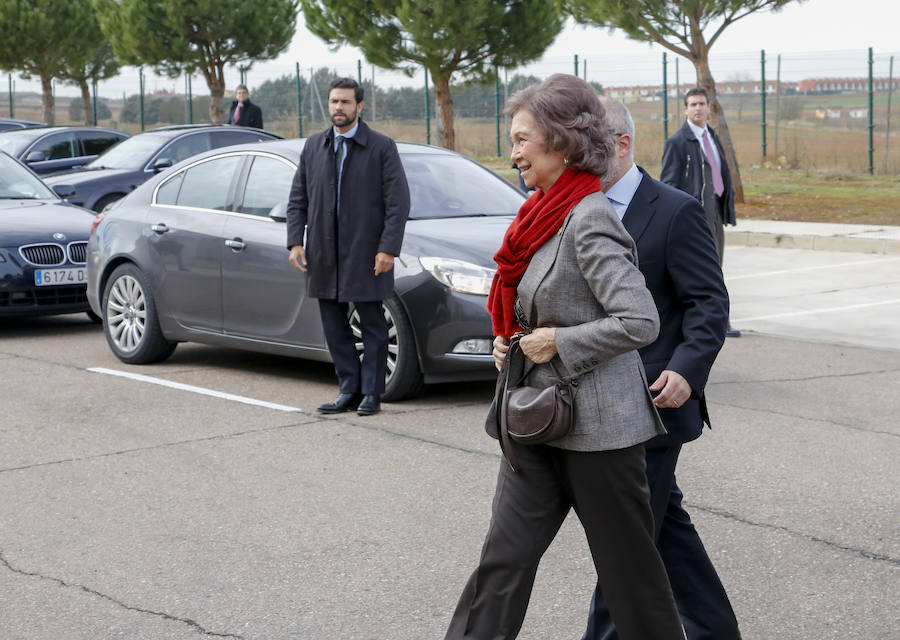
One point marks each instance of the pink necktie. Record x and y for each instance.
(237, 114)
(718, 185)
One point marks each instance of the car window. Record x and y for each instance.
(185, 147)
(15, 142)
(207, 184)
(449, 186)
(268, 184)
(227, 137)
(57, 146)
(18, 182)
(96, 142)
(168, 190)
(133, 153)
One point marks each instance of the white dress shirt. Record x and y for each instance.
(621, 193)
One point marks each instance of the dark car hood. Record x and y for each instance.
(34, 221)
(78, 177)
(473, 239)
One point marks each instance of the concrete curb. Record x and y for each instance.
(855, 238)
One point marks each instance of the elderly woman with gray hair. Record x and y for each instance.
(567, 276)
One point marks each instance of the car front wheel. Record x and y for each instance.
(130, 320)
(404, 378)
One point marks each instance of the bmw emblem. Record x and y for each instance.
(59, 237)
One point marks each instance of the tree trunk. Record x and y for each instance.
(47, 100)
(86, 103)
(717, 115)
(446, 134)
(215, 80)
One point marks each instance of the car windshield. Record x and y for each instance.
(449, 186)
(17, 182)
(132, 154)
(14, 142)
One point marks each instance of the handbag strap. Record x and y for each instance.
(505, 440)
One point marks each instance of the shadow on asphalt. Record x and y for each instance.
(70, 324)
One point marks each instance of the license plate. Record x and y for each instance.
(56, 277)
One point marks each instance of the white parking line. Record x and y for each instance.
(815, 311)
(193, 389)
(816, 268)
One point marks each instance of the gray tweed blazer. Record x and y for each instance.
(585, 282)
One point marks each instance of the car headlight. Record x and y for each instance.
(464, 277)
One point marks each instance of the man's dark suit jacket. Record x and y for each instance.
(251, 115)
(678, 258)
(682, 167)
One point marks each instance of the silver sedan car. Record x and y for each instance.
(198, 254)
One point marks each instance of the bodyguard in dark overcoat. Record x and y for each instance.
(678, 259)
(352, 209)
(248, 114)
(694, 162)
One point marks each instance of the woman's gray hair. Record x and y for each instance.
(568, 113)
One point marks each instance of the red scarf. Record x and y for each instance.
(541, 216)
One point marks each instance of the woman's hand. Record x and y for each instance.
(501, 346)
(540, 345)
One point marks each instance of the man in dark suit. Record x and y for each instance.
(694, 161)
(243, 112)
(678, 258)
(345, 221)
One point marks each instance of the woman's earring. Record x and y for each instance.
(566, 161)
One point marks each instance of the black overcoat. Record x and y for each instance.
(682, 167)
(340, 249)
(251, 115)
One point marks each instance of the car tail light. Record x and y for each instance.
(97, 220)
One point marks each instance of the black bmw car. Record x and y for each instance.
(198, 254)
(42, 246)
(124, 167)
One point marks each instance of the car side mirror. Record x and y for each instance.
(162, 163)
(279, 212)
(35, 156)
(64, 191)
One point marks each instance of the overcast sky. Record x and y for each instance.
(815, 38)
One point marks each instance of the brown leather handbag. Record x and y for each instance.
(532, 415)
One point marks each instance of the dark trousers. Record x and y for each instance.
(608, 490)
(353, 376)
(701, 598)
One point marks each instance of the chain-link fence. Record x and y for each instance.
(816, 110)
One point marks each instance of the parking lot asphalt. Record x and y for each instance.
(203, 497)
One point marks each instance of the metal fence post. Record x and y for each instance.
(141, 84)
(427, 111)
(665, 90)
(777, 102)
(871, 115)
(11, 113)
(576, 65)
(374, 109)
(762, 63)
(94, 101)
(887, 127)
(299, 107)
(359, 71)
(497, 106)
(190, 101)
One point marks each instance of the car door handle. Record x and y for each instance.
(236, 245)
(160, 228)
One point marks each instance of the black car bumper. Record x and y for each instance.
(442, 319)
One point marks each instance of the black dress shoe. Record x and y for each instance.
(731, 332)
(344, 402)
(370, 405)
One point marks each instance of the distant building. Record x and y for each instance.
(849, 85)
